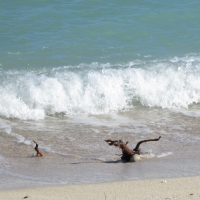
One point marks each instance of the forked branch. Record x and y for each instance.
(127, 153)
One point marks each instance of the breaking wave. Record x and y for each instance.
(100, 88)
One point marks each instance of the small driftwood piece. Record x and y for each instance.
(127, 153)
(37, 149)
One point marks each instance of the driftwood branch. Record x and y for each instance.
(128, 153)
(139, 143)
(37, 149)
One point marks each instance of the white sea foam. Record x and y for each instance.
(100, 88)
(164, 154)
(19, 138)
(14, 53)
(195, 113)
(7, 129)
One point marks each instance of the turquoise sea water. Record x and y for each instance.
(76, 71)
(60, 33)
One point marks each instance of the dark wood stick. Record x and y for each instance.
(139, 143)
(128, 153)
(37, 149)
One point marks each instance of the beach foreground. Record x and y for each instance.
(175, 188)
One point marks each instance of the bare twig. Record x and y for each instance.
(37, 150)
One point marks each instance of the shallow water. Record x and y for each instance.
(76, 153)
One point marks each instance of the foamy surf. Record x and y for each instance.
(100, 88)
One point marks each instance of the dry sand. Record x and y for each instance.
(176, 188)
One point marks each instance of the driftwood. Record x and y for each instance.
(127, 153)
(37, 150)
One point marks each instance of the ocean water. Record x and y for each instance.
(74, 73)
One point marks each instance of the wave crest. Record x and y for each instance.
(100, 88)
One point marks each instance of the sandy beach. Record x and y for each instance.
(175, 188)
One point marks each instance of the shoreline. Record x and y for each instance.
(172, 188)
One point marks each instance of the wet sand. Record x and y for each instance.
(174, 176)
(73, 161)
